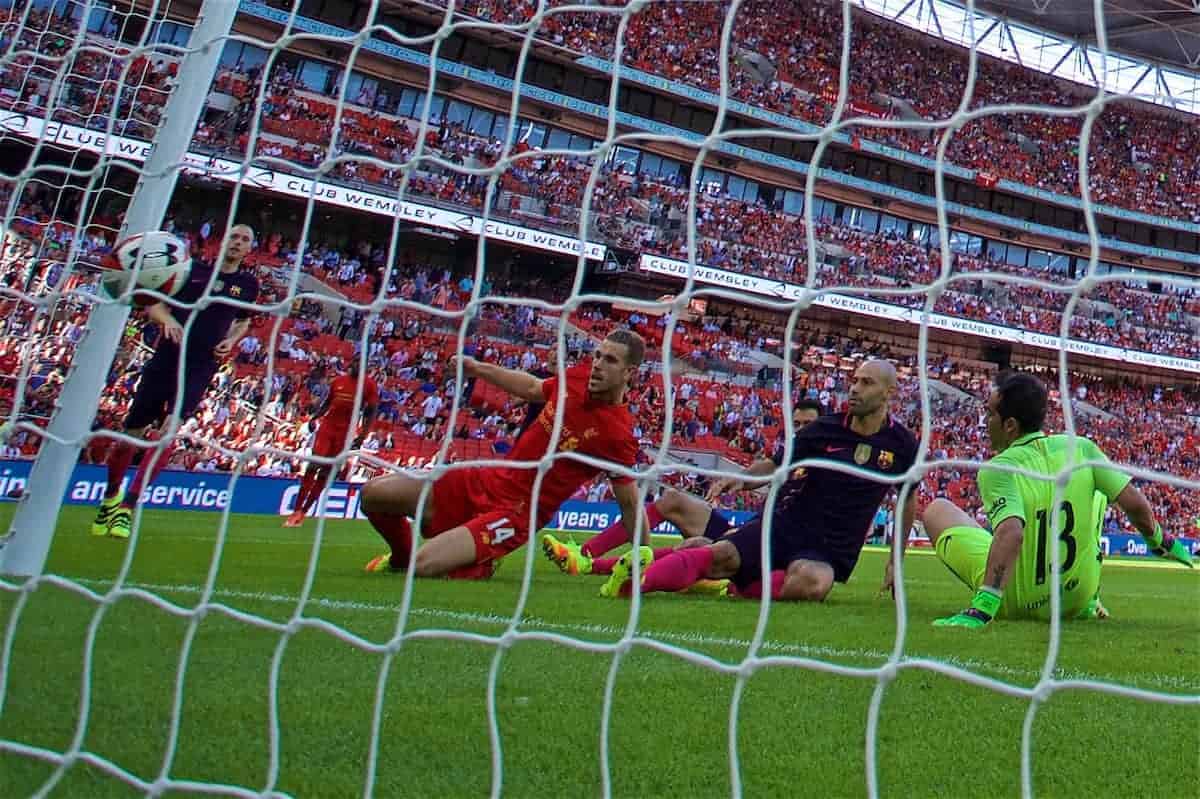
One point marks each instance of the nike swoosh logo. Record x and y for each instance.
(836, 449)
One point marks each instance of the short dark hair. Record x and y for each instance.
(635, 347)
(1022, 397)
(808, 405)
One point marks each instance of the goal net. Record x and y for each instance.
(770, 194)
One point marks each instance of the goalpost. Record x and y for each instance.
(24, 552)
(29, 537)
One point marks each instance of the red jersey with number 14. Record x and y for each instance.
(341, 401)
(589, 427)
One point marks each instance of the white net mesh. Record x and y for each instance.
(303, 123)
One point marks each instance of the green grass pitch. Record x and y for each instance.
(800, 731)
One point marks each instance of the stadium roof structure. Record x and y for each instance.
(1153, 45)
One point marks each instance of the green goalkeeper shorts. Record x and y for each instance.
(964, 550)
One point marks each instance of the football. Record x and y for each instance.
(155, 260)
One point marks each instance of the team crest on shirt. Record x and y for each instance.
(886, 459)
(235, 291)
(862, 454)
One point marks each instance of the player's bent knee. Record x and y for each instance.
(391, 493)
(939, 516)
(373, 496)
(725, 562)
(808, 582)
(669, 502)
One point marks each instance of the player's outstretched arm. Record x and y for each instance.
(907, 517)
(160, 314)
(236, 331)
(755, 474)
(1135, 505)
(521, 385)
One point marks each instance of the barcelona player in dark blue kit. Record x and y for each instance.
(215, 330)
(822, 516)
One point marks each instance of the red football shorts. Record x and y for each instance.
(329, 441)
(457, 502)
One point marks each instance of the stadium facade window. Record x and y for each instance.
(481, 122)
(889, 223)
(240, 53)
(534, 134)
(581, 143)
(996, 250)
(918, 233)
(793, 202)
(1038, 259)
(361, 90)
(457, 112)
(437, 104)
(316, 76)
(1016, 255)
(344, 13)
(824, 209)
(105, 21)
(61, 8)
(626, 158)
(170, 33)
(409, 103)
(1058, 263)
(861, 218)
(500, 126)
(965, 243)
(558, 139)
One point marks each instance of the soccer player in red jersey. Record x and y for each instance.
(336, 415)
(474, 516)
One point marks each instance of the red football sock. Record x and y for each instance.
(397, 531)
(615, 535)
(754, 590)
(310, 490)
(677, 570)
(605, 565)
(120, 455)
(153, 462)
(301, 495)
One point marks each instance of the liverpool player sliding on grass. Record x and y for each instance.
(474, 516)
(821, 519)
(336, 415)
(214, 332)
(1008, 569)
(695, 518)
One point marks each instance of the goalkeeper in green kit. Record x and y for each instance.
(1009, 569)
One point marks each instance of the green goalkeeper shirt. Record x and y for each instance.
(1035, 497)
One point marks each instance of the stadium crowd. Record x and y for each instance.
(640, 211)
(1140, 158)
(1150, 427)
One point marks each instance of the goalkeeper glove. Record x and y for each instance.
(984, 606)
(1168, 546)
